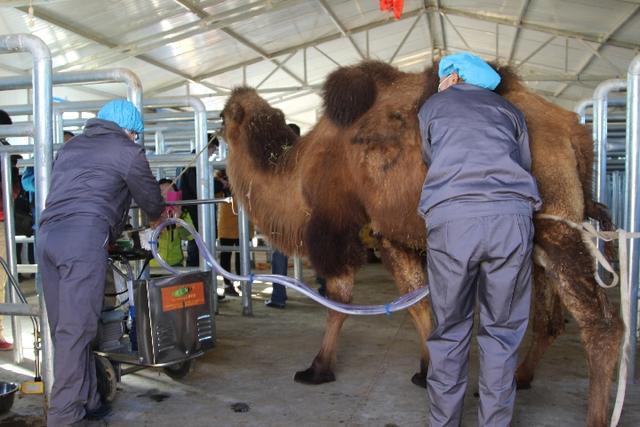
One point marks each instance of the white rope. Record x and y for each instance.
(589, 237)
(589, 232)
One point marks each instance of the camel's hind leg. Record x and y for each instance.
(548, 324)
(406, 266)
(321, 369)
(600, 327)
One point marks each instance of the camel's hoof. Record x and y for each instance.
(523, 384)
(419, 379)
(309, 376)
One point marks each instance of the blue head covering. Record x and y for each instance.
(471, 68)
(124, 114)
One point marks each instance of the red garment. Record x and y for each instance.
(16, 191)
(394, 6)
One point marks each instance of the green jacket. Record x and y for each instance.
(170, 243)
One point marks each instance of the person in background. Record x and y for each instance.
(5, 345)
(67, 135)
(93, 179)
(187, 184)
(280, 263)
(478, 201)
(28, 179)
(170, 239)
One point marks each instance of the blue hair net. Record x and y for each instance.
(124, 114)
(471, 68)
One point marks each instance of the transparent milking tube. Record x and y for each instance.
(405, 301)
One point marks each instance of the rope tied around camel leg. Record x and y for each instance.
(588, 232)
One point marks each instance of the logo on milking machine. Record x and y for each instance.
(182, 296)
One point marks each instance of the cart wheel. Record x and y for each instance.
(179, 370)
(107, 379)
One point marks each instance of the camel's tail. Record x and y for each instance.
(600, 213)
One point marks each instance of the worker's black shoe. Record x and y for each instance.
(274, 304)
(99, 413)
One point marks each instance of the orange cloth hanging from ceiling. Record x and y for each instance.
(394, 6)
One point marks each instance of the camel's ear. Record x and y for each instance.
(233, 112)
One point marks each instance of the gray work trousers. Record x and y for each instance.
(487, 259)
(72, 259)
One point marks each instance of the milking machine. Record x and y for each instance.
(168, 321)
(162, 322)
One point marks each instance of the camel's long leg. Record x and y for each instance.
(406, 266)
(321, 370)
(548, 324)
(600, 326)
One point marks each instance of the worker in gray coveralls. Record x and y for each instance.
(477, 200)
(93, 179)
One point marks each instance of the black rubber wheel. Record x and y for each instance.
(107, 379)
(179, 370)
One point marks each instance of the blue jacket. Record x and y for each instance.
(96, 174)
(476, 146)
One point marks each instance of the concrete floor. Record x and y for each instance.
(247, 379)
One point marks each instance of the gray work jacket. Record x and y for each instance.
(476, 146)
(95, 175)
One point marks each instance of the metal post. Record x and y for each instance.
(223, 149)
(581, 109)
(212, 231)
(245, 264)
(600, 105)
(160, 149)
(10, 243)
(202, 163)
(43, 156)
(632, 202)
(297, 268)
(58, 136)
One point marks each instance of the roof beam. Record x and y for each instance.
(323, 53)
(434, 18)
(404, 39)
(506, 21)
(432, 37)
(345, 32)
(456, 31)
(535, 51)
(187, 4)
(96, 38)
(262, 53)
(275, 70)
(26, 3)
(516, 38)
(442, 33)
(181, 32)
(201, 14)
(509, 22)
(311, 43)
(602, 44)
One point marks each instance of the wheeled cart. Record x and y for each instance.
(165, 322)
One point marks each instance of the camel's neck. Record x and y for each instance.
(272, 197)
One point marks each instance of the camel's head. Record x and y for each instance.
(252, 125)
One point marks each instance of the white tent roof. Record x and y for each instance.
(286, 48)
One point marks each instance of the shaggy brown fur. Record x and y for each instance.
(362, 164)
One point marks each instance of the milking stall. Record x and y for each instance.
(223, 213)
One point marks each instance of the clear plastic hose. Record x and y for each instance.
(405, 301)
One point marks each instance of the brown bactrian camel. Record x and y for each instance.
(362, 164)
